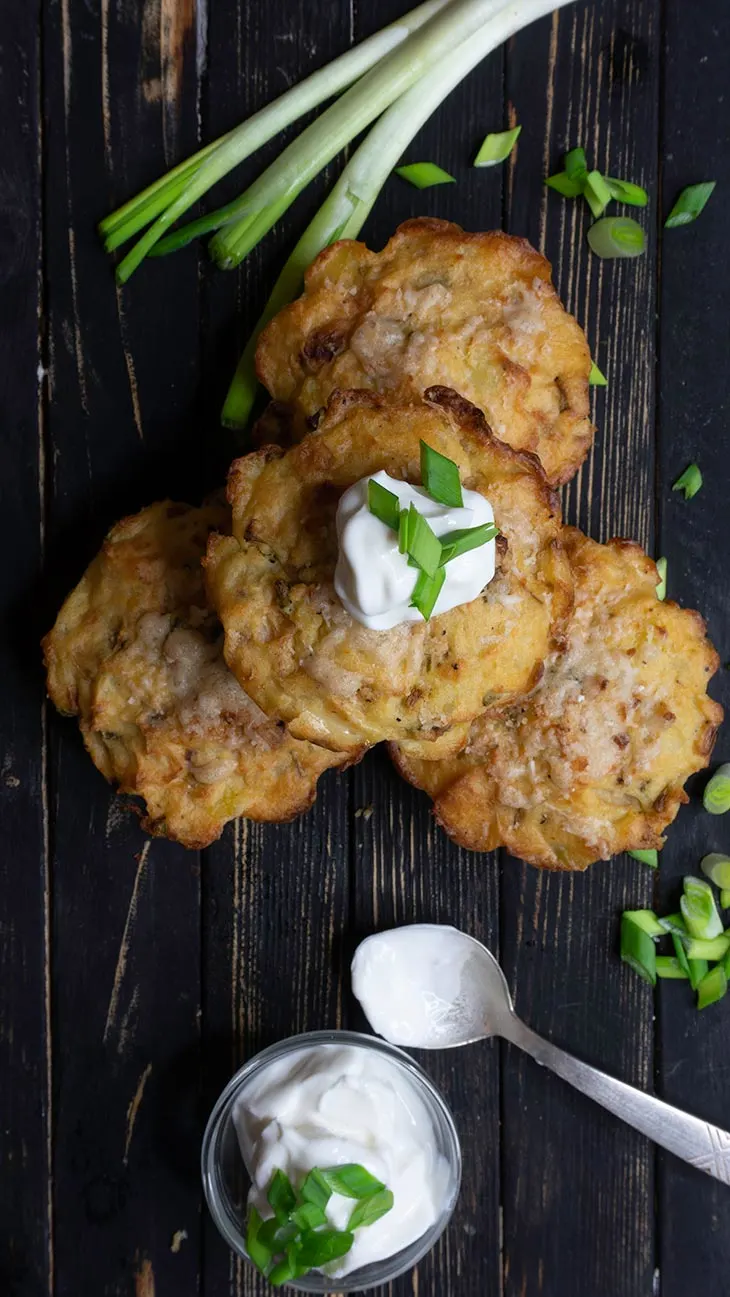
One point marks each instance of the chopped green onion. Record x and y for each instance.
(638, 950)
(725, 898)
(367, 1212)
(424, 175)
(669, 966)
(646, 920)
(309, 1216)
(565, 185)
(419, 541)
(712, 987)
(616, 236)
(283, 1272)
(497, 147)
(690, 203)
(650, 858)
(281, 1197)
(690, 481)
(352, 1181)
(575, 164)
(680, 955)
(624, 192)
(699, 910)
(596, 378)
(716, 798)
(440, 477)
(259, 1254)
(661, 589)
(315, 1189)
(596, 193)
(384, 504)
(318, 1249)
(715, 949)
(455, 543)
(673, 923)
(426, 591)
(697, 970)
(716, 867)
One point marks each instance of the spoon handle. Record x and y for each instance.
(695, 1141)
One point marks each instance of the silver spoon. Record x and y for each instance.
(429, 986)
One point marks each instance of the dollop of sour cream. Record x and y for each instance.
(328, 1105)
(374, 581)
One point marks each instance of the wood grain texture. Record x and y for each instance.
(694, 410)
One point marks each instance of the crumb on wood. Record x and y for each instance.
(178, 1239)
(363, 812)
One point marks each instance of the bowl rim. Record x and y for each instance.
(377, 1272)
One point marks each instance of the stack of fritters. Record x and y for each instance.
(558, 714)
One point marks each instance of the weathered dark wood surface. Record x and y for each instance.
(134, 977)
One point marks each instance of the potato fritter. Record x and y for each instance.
(297, 651)
(475, 312)
(595, 761)
(137, 655)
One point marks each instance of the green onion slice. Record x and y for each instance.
(596, 378)
(680, 954)
(625, 192)
(315, 1189)
(596, 193)
(455, 543)
(426, 591)
(690, 481)
(638, 950)
(384, 504)
(712, 987)
(616, 236)
(716, 867)
(281, 1197)
(661, 589)
(650, 858)
(669, 966)
(440, 477)
(690, 203)
(575, 164)
(565, 185)
(371, 1209)
(716, 798)
(725, 898)
(699, 910)
(309, 1216)
(647, 921)
(697, 970)
(317, 1249)
(420, 541)
(715, 949)
(259, 1254)
(497, 148)
(674, 923)
(424, 175)
(352, 1181)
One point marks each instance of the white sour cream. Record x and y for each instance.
(374, 581)
(421, 985)
(327, 1105)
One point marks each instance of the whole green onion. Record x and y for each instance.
(616, 236)
(716, 798)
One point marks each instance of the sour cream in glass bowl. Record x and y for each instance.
(325, 1099)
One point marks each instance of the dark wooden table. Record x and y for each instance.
(135, 976)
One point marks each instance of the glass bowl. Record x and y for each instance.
(226, 1181)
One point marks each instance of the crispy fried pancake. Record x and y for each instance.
(290, 642)
(137, 655)
(475, 312)
(595, 761)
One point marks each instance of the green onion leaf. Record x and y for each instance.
(680, 955)
(716, 797)
(725, 898)
(440, 477)
(497, 148)
(624, 192)
(424, 175)
(315, 1189)
(715, 949)
(281, 1197)
(384, 504)
(661, 589)
(699, 910)
(352, 1181)
(422, 543)
(650, 858)
(712, 988)
(697, 970)
(675, 924)
(716, 867)
(689, 204)
(283, 1272)
(616, 236)
(309, 1216)
(669, 966)
(690, 481)
(371, 1209)
(426, 591)
(647, 921)
(318, 1249)
(596, 378)
(638, 950)
(575, 164)
(259, 1254)
(275, 1235)
(455, 543)
(596, 193)
(565, 185)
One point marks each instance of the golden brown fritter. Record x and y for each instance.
(137, 655)
(475, 312)
(297, 651)
(595, 761)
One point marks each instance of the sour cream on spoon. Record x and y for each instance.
(375, 582)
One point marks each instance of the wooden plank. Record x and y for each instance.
(577, 1186)
(120, 102)
(694, 395)
(405, 869)
(276, 898)
(26, 1241)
